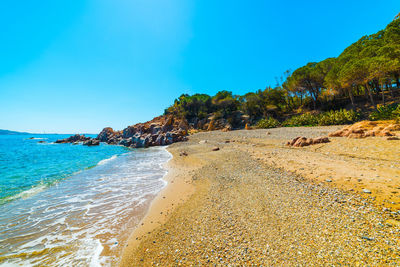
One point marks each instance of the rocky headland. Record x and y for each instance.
(160, 131)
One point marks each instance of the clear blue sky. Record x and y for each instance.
(78, 66)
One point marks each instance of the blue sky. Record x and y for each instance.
(78, 66)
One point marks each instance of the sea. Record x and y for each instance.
(72, 205)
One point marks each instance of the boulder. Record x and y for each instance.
(128, 132)
(91, 142)
(155, 129)
(211, 126)
(183, 125)
(302, 141)
(73, 138)
(125, 142)
(113, 140)
(169, 138)
(227, 128)
(201, 124)
(136, 138)
(320, 140)
(160, 141)
(167, 126)
(291, 143)
(105, 134)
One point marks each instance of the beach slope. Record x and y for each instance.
(256, 201)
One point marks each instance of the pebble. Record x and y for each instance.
(366, 191)
(367, 238)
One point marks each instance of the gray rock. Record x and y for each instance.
(128, 132)
(91, 142)
(126, 142)
(105, 134)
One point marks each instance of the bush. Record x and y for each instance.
(385, 112)
(267, 123)
(396, 114)
(333, 117)
(337, 117)
(306, 119)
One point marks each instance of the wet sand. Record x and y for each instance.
(257, 201)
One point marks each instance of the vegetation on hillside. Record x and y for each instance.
(366, 72)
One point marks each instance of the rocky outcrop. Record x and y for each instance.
(73, 139)
(367, 129)
(160, 131)
(163, 130)
(301, 141)
(212, 123)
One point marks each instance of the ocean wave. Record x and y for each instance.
(25, 194)
(43, 186)
(88, 212)
(104, 161)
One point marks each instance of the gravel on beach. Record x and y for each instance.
(247, 212)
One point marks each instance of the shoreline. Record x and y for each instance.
(173, 230)
(177, 191)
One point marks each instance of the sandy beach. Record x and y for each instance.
(255, 201)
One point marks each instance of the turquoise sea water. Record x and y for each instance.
(72, 205)
(26, 164)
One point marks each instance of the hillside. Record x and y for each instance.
(363, 78)
(8, 132)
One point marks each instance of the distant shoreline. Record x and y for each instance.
(7, 132)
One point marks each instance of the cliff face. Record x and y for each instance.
(162, 130)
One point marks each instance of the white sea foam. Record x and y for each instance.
(88, 211)
(104, 161)
(95, 261)
(25, 194)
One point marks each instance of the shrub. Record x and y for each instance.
(306, 119)
(337, 117)
(396, 114)
(333, 117)
(385, 112)
(267, 123)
